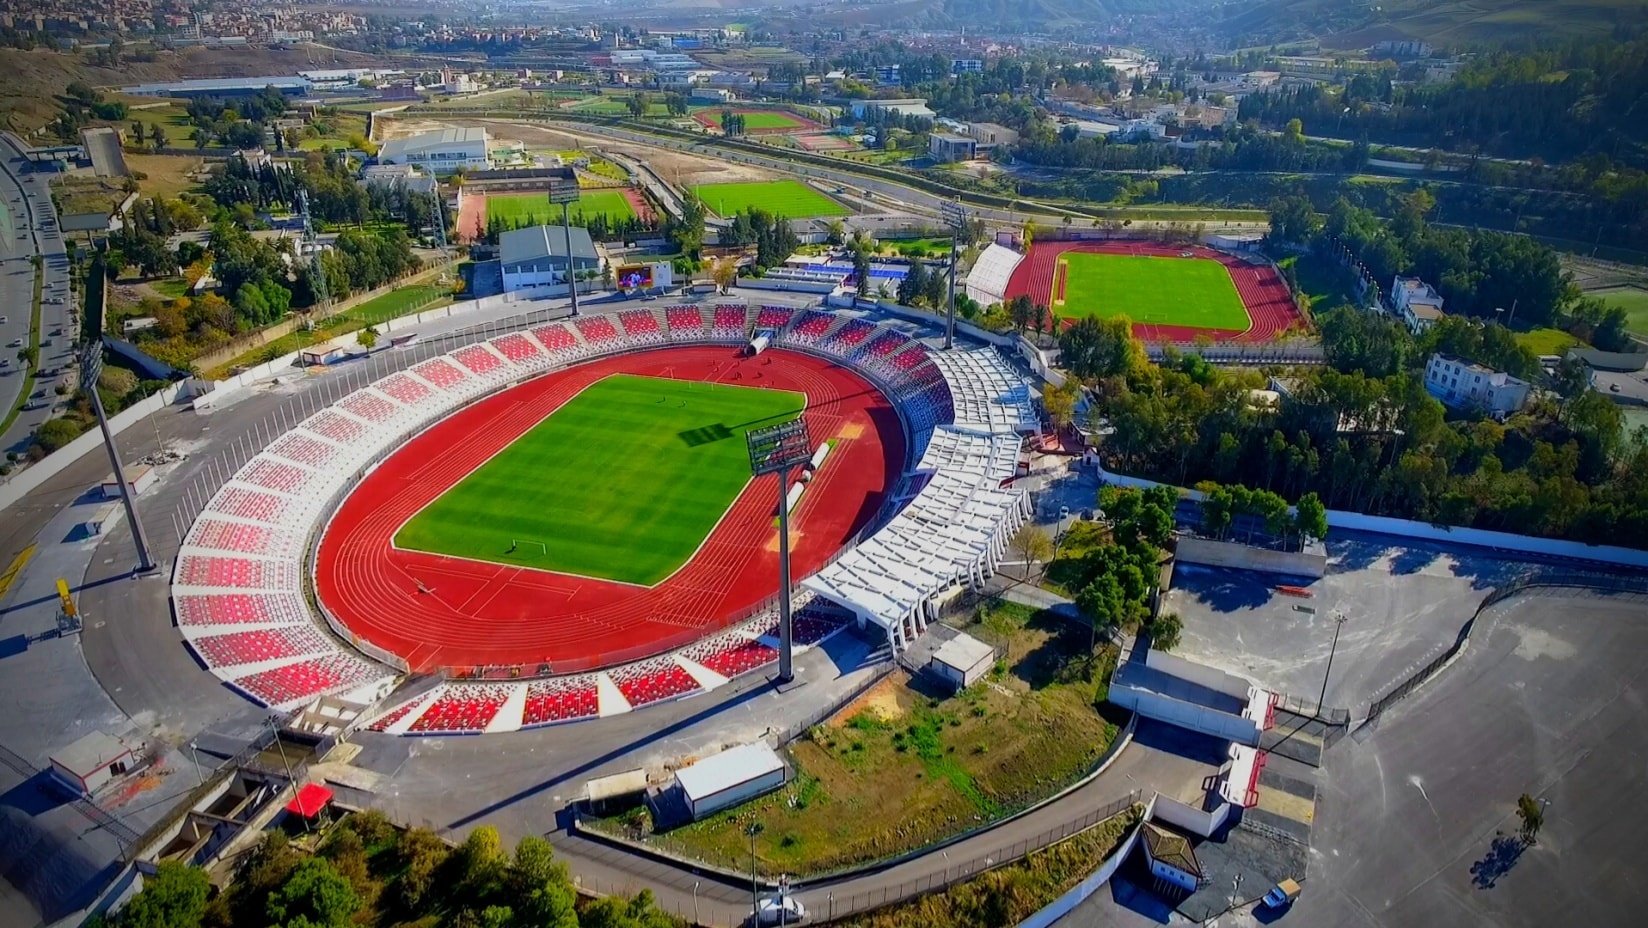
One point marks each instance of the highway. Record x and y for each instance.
(28, 227)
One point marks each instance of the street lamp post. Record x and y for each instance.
(1338, 623)
(565, 192)
(753, 830)
(777, 449)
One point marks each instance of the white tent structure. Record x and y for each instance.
(990, 396)
(953, 530)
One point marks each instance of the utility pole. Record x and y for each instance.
(956, 218)
(1338, 623)
(565, 192)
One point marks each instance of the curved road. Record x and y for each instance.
(28, 227)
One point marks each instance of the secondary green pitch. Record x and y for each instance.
(623, 482)
(1191, 292)
(790, 199)
(519, 207)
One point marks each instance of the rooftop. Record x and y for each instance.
(727, 769)
(535, 242)
(963, 652)
(1171, 848)
(435, 139)
(91, 753)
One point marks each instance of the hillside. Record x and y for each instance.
(34, 79)
(1351, 24)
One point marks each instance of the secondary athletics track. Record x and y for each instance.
(480, 614)
(1266, 296)
(472, 213)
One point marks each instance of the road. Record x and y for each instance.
(896, 195)
(28, 227)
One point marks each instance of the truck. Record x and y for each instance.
(1282, 894)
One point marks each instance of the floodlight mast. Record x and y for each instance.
(91, 366)
(565, 192)
(956, 218)
(777, 449)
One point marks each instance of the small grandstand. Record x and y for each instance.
(241, 592)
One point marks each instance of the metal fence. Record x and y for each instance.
(1310, 352)
(1545, 584)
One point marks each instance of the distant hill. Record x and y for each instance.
(1359, 23)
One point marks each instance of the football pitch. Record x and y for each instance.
(623, 482)
(790, 199)
(1190, 292)
(517, 208)
(754, 120)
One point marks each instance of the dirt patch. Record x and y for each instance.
(850, 431)
(884, 699)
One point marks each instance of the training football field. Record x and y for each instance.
(517, 208)
(1191, 292)
(753, 120)
(623, 482)
(790, 199)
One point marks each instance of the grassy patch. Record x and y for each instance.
(76, 195)
(904, 767)
(519, 208)
(1326, 283)
(1192, 292)
(1634, 300)
(165, 175)
(790, 199)
(391, 305)
(171, 288)
(1546, 340)
(583, 490)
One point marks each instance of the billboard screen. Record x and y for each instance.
(634, 277)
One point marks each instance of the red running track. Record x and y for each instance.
(1266, 296)
(482, 614)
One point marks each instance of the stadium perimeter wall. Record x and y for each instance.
(1449, 534)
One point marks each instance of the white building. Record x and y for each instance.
(91, 762)
(537, 256)
(440, 152)
(1416, 303)
(963, 661)
(729, 778)
(398, 175)
(1462, 385)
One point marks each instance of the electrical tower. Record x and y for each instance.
(317, 273)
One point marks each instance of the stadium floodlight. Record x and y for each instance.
(956, 218)
(91, 367)
(777, 449)
(565, 192)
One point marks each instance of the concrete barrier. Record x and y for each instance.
(1062, 906)
(1310, 563)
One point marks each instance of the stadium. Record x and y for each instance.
(1171, 293)
(559, 524)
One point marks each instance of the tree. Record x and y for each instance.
(637, 107)
(1103, 603)
(175, 897)
(28, 355)
(1293, 220)
(314, 895)
(367, 337)
(1164, 631)
(724, 271)
(1531, 812)
(158, 136)
(1093, 348)
(1060, 402)
(861, 267)
(1032, 545)
(1311, 517)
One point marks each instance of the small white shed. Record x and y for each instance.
(962, 660)
(139, 477)
(729, 778)
(86, 765)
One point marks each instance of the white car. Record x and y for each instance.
(786, 910)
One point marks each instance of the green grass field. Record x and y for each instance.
(1634, 300)
(790, 199)
(1545, 340)
(518, 207)
(1192, 292)
(623, 482)
(752, 120)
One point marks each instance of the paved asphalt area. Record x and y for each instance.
(28, 226)
(1403, 605)
(1547, 699)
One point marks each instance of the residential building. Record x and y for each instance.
(537, 256)
(966, 65)
(401, 175)
(440, 152)
(1401, 48)
(1416, 303)
(947, 146)
(1460, 384)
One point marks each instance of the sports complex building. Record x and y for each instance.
(559, 521)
